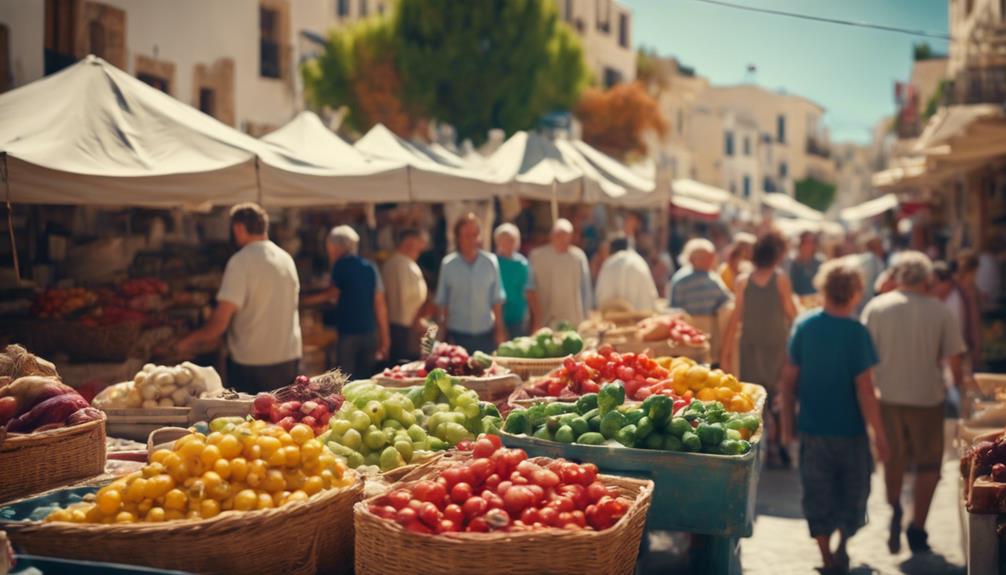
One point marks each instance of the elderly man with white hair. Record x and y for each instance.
(914, 333)
(559, 287)
(695, 288)
(514, 272)
(360, 313)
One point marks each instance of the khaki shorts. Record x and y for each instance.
(915, 436)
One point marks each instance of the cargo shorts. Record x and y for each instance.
(915, 436)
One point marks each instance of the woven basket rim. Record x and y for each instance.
(533, 361)
(25, 439)
(382, 380)
(222, 520)
(645, 493)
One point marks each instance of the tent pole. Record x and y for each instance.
(408, 180)
(258, 181)
(10, 223)
(555, 202)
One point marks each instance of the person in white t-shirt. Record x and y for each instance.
(406, 291)
(626, 276)
(559, 288)
(257, 306)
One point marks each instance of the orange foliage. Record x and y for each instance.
(615, 120)
(378, 94)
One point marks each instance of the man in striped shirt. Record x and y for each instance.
(694, 288)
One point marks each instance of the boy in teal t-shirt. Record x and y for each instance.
(514, 272)
(829, 376)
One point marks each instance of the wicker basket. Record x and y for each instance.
(492, 388)
(308, 537)
(386, 548)
(137, 424)
(526, 368)
(100, 343)
(35, 462)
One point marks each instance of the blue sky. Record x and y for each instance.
(850, 71)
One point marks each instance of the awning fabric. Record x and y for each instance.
(870, 208)
(431, 177)
(311, 166)
(94, 135)
(787, 205)
(699, 191)
(533, 167)
(696, 206)
(640, 191)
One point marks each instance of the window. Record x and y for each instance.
(747, 186)
(783, 170)
(207, 101)
(747, 145)
(59, 18)
(158, 82)
(363, 8)
(623, 30)
(681, 122)
(780, 129)
(342, 8)
(5, 75)
(728, 143)
(604, 15)
(733, 188)
(767, 185)
(612, 76)
(269, 49)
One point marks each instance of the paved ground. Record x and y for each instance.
(781, 544)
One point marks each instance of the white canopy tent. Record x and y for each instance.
(533, 167)
(312, 166)
(788, 206)
(870, 208)
(640, 191)
(94, 135)
(793, 227)
(431, 175)
(698, 191)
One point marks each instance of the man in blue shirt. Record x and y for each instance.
(360, 314)
(829, 375)
(694, 288)
(805, 265)
(470, 292)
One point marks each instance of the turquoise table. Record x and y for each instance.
(707, 495)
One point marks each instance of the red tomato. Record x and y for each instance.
(569, 363)
(491, 482)
(548, 515)
(527, 468)
(477, 525)
(555, 387)
(429, 514)
(517, 499)
(461, 492)
(473, 507)
(417, 527)
(631, 387)
(399, 498)
(503, 487)
(451, 475)
(497, 519)
(494, 439)
(480, 470)
(562, 504)
(595, 491)
(590, 473)
(579, 518)
(545, 478)
(576, 492)
(483, 448)
(465, 445)
(384, 511)
(529, 516)
(590, 386)
(625, 374)
(628, 358)
(406, 516)
(605, 349)
(493, 500)
(518, 479)
(455, 514)
(430, 491)
(446, 525)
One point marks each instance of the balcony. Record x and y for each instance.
(817, 147)
(977, 86)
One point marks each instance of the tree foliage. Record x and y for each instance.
(617, 120)
(815, 193)
(475, 65)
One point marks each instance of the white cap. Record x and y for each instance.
(562, 225)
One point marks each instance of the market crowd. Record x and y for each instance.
(863, 353)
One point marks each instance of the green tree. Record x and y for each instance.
(815, 193)
(483, 64)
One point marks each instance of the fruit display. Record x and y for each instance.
(674, 329)
(658, 423)
(304, 401)
(453, 359)
(160, 386)
(137, 287)
(59, 303)
(384, 427)
(576, 377)
(240, 467)
(501, 490)
(543, 344)
(39, 403)
(686, 375)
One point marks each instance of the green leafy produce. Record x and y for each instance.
(610, 397)
(611, 422)
(586, 402)
(544, 343)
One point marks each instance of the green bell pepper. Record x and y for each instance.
(587, 402)
(536, 414)
(543, 433)
(633, 415)
(559, 408)
(594, 423)
(579, 425)
(654, 441)
(658, 407)
(691, 441)
(672, 443)
(591, 438)
(679, 426)
(627, 436)
(572, 343)
(565, 434)
(644, 427)
(610, 397)
(611, 422)
(711, 433)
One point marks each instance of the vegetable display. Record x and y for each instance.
(674, 329)
(453, 359)
(38, 403)
(686, 375)
(304, 401)
(500, 489)
(385, 427)
(544, 343)
(62, 302)
(658, 423)
(240, 467)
